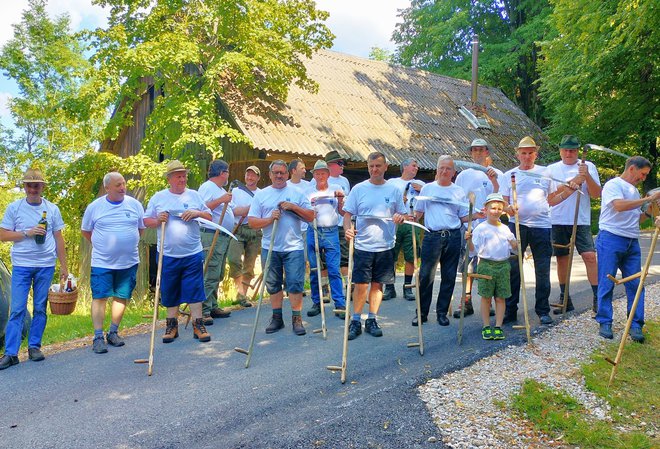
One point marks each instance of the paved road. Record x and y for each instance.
(202, 396)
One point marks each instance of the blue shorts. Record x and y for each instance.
(108, 282)
(182, 280)
(291, 264)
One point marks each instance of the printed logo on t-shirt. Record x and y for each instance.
(538, 182)
(485, 184)
(128, 214)
(185, 205)
(387, 200)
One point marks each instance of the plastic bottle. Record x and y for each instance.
(43, 223)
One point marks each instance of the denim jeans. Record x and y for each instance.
(623, 253)
(329, 244)
(443, 247)
(284, 263)
(539, 240)
(22, 279)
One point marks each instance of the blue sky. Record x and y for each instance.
(357, 24)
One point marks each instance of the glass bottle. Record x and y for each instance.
(43, 223)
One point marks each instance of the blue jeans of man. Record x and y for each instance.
(623, 253)
(443, 247)
(540, 241)
(329, 244)
(22, 279)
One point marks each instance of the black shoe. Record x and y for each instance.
(114, 339)
(468, 311)
(371, 327)
(217, 312)
(408, 294)
(415, 321)
(99, 346)
(605, 331)
(354, 329)
(8, 360)
(315, 310)
(545, 319)
(389, 292)
(443, 320)
(276, 323)
(35, 354)
(510, 318)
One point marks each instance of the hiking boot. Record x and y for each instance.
(605, 331)
(207, 320)
(510, 318)
(545, 319)
(389, 292)
(276, 323)
(199, 331)
(340, 312)
(36, 355)
(636, 334)
(354, 329)
(371, 327)
(415, 321)
(99, 346)
(171, 330)
(469, 310)
(498, 334)
(8, 360)
(487, 333)
(297, 324)
(314, 310)
(560, 304)
(217, 312)
(114, 339)
(408, 294)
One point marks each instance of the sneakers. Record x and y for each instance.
(389, 292)
(605, 331)
(636, 335)
(114, 339)
(207, 320)
(276, 323)
(487, 333)
(8, 360)
(498, 334)
(340, 312)
(99, 346)
(199, 331)
(217, 312)
(545, 319)
(371, 327)
(171, 330)
(469, 310)
(297, 324)
(35, 354)
(408, 294)
(314, 310)
(415, 321)
(354, 329)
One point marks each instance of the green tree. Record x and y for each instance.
(436, 35)
(245, 53)
(599, 76)
(381, 54)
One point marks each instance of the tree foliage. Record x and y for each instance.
(600, 75)
(435, 35)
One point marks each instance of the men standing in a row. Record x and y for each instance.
(34, 252)
(290, 207)
(113, 225)
(444, 213)
(409, 188)
(219, 201)
(182, 273)
(481, 184)
(618, 243)
(585, 176)
(243, 252)
(327, 202)
(373, 263)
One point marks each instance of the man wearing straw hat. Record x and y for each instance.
(113, 225)
(617, 243)
(291, 207)
(33, 255)
(182, 275)
(219, 201)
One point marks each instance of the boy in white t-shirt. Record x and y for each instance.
(492, 241)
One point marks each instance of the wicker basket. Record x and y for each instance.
(62, 303)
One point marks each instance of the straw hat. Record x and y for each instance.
(528, 142)
(33, 175)
(175, 166)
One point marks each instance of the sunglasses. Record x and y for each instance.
(340, 163)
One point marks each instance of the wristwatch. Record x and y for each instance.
(24, 232)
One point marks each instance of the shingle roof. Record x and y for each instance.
(364, 106)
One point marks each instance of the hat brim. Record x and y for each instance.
(569, 147)
(176, 171)
(26, 181)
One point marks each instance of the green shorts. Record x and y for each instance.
(404, 241)
(500, 285)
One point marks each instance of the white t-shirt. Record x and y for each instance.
(181, 237)
(563, 213)
(325, 205)
(289, 232)
(342, 182)
(402, 184)
(21, 216)
(533, 207)
(623, 224)
(303, 186)
(115, 232)
(210, 191)
(438, 216)
(492, 242)
(241, 198)
(384, 200)
(471, 180)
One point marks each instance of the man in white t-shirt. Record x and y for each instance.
(584, 175)
(445, 209)
(182, 273)
(218, 200)
(33, 255)
(617, 243)
(373, 263)
(409, 188)
(113, 225)
(481, 184)
(290, 207)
